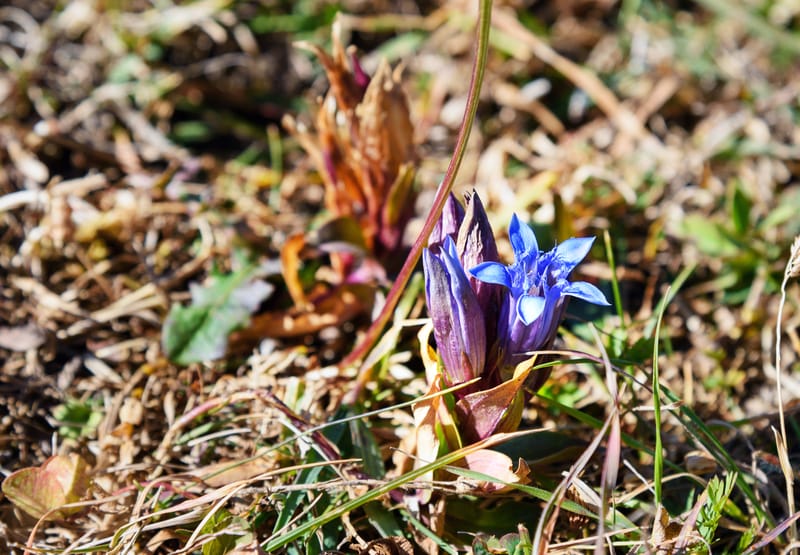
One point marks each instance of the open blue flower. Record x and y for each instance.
(538, 289)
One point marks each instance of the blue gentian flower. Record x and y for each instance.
(537, 290)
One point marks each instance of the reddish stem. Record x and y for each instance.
(375, 330)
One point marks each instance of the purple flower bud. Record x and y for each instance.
(458, 323)
(476, 245)
(537, 291)
(448, 224)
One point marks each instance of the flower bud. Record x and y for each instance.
(458, 323)
(448, 223)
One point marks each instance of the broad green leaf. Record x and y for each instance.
(366, 448)
(382, 519)
(294, 499)
(709, 236)
(740, 211)
(785, 209)
(468, 516)
(222, 521)
(126, 69)
(38, 490)
(199, 332)
(78, 418)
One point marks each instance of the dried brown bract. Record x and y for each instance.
(362, 146)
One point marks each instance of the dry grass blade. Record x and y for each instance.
(594, 87)
(792, 270)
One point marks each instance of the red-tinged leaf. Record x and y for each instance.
(39, 490)
(492, 411)
(497, 465)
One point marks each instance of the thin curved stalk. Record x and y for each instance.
(374, 331)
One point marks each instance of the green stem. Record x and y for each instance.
(373, 333)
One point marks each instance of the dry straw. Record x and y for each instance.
(792, 270)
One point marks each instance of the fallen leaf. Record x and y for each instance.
(497, 465)
(392, 545)
(330, 308)
(39, 490)
(22, 338)
(290, 267)
(223, 473)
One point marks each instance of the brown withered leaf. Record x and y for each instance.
(160, 538)
(432, 417)
(664, 533)
(385, 124)
(363, 147)
(392, 545)
(347, 86)
(223, 473)
(331, 308)
(252, 548)
(290, 267)
(22, 338)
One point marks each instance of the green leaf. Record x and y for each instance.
(784, 210)
(740, 211)
(192, 132)
(710, 238)
(366, 448)
(402, 46)
(712, 509)
(199, 332)
(78, 418)
(223, 521)
(126, 69)
(382, 519)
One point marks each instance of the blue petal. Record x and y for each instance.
(492, 272)
(529, 308)
(449, 246)
(585, 291)
(523, 240)
(572, 251)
